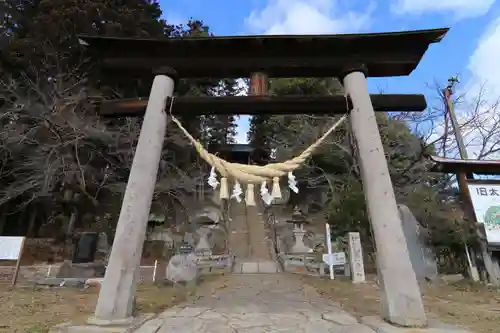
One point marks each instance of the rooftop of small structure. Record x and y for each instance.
(240, 152)
(383, 54)
(451, 165)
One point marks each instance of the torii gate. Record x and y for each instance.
(351, 58)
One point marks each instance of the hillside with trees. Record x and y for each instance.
(333, 171)
(63, 168)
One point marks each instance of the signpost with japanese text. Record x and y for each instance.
(486, 203)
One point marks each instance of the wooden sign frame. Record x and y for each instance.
(18, 260)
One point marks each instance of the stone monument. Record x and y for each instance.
(182, 268)
(357, 270)
(422, 258)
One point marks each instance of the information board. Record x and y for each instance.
(10, 247)
(337, 259)
(486, 202)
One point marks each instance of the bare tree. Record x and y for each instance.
(479, 121)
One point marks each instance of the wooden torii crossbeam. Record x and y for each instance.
(350, 58)
(253, 105)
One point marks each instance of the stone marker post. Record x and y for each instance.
(116, 297)
(357, 268)
(400, 293)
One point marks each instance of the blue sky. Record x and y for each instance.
(470, 48)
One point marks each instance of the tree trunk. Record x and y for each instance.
(71, 225)
(3, 219)
(32, 221)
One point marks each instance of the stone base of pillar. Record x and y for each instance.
(379, 325)
(95, 325)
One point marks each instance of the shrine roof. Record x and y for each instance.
(383, 54)
(451, 165)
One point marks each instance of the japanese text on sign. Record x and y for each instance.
(486, 203)
(484, 191)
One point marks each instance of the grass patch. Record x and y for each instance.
(28, 310)
(472, 306)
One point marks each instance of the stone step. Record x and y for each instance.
(238, 237)
(256, 267)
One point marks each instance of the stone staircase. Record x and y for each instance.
(239, 242)
(248, 241)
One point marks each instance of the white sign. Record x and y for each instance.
(10, 247)
(486, 202)
(335, 259)
(329, 248)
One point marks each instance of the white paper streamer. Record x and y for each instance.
(265, 195)
(212, 179)
(292, 183)
(237, 192)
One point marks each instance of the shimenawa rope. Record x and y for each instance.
(253, 174)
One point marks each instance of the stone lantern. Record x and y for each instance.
(204, 228)
(299, 221)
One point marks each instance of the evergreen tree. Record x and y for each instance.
(42, 34)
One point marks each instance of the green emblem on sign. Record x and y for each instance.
(492, 216)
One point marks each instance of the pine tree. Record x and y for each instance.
(43, 34)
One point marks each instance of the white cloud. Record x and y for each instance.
(304, 17)
(483, 93)
(308, 17)
(458, 8)
(484, 63)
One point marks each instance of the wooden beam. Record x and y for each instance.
(451, 165)
(400, 64)
(383, 54)
(253, 105)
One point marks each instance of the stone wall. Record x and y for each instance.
(41, 251)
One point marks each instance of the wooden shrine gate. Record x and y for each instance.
(350, 58)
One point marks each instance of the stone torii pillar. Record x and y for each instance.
(400, 293)
(117, 294)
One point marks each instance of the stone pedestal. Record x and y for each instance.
(86, 270)
(299, 246)
(203, 245)
(95, 325)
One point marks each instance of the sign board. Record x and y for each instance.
(335, 259)
(486, 202)
(10, 247)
